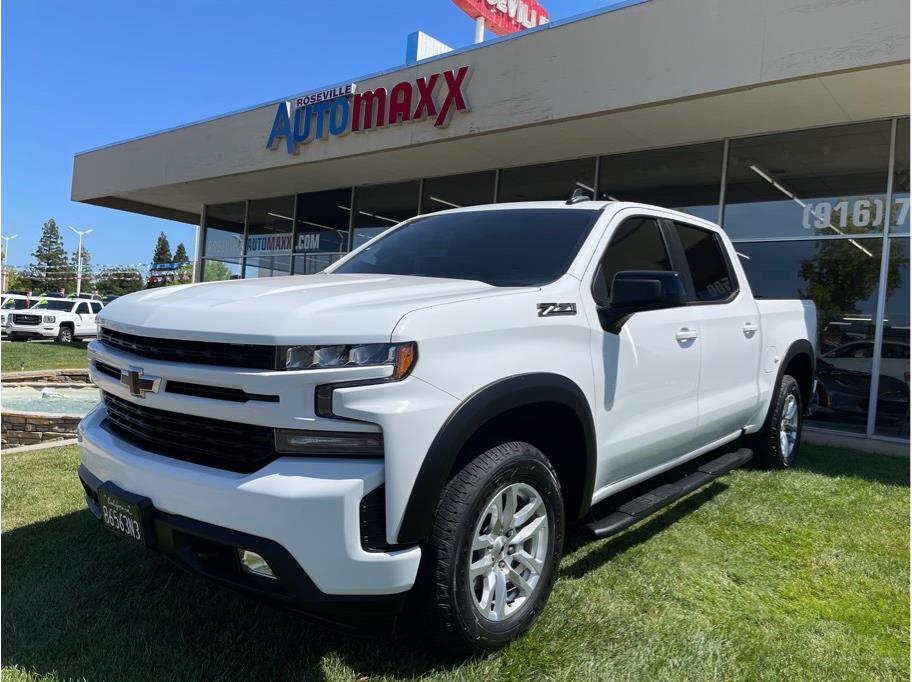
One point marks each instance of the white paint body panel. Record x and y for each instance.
(656, 400)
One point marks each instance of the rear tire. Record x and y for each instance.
(491, 560)
(65, 334)
(776, 445)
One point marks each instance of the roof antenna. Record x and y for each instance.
(578, 196)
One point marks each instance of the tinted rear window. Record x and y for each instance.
(509, 247)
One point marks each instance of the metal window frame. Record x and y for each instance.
(882, 290)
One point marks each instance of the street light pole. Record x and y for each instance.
(6, 241)
(81, 233)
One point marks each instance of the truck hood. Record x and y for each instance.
(323, 308)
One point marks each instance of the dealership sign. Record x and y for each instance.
(505, 16)
(338, 111)
(279, 244)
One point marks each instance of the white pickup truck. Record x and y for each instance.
(63, 319)
(428, 415)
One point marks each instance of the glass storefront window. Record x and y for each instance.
(683, 178)
(379, 207)
(900, 219)
(841, 277)
(322, 229)
(456, 191)
(217, 270)
(270, 225)
(827, 181)
(547, 181)
(893, 388)
(224, 230)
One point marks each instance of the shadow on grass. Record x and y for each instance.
(79, 603)
(832, 461)
(638, 534)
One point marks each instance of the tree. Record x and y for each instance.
(162, 256)
(215, 271)
(119, 281)
(180, 254)
(86, 268)
(162, 250)
(50, 267)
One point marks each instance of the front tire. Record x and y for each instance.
(776, 445)
(65, 335)
(490, 563)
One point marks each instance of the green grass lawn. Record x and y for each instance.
(763, 575)
(26, 355)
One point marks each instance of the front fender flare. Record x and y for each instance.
(479, 408)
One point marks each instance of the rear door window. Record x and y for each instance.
(713, 279)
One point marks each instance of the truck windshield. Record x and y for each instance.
(505, 247)
(64, 306)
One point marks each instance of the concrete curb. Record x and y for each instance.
(49, 375)
(39, 446)
(869, 445)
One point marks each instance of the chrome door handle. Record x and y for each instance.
(686, 334)
(749, 329)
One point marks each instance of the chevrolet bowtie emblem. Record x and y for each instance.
(139, 383)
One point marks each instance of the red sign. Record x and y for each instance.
(505, 16)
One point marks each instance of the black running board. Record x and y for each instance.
(649, 503)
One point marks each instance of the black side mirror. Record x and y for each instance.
(636, 291)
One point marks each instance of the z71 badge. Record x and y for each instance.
(549, 309)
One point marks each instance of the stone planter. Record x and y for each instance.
(31, 428)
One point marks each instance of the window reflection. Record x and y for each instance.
(842, 280)
(269, 236)
(683, 178)
(900, 218)
(548, 181)
(893, 391)
(812, 182)
(456, 191)
(322, 226)
(217, 270)
(379, 207)
(225, 230)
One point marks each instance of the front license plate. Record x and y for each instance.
(124, 513)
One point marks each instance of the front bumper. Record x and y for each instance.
(32, 330)
(301, 513)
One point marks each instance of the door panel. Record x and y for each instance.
(646, 375)
(647, 378)
(729, 326)
(729, 392)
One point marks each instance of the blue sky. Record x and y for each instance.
(77, 75)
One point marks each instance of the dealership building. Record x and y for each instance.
(786, 121)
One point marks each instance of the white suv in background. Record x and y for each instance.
(64, 319)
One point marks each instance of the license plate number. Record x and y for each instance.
(123, 516)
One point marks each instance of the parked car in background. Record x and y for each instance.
(63, 319)
(858, 356)
(11, 302)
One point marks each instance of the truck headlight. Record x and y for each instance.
(49, 319)
(401, 356)
(329, 443)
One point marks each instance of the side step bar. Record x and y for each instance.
(644, 505)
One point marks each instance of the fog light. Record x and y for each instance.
(253, 563)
